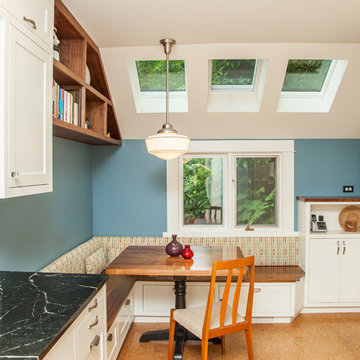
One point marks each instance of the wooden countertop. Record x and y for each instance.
(153, 261)
(327, 199)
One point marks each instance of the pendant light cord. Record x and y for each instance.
(167, 87)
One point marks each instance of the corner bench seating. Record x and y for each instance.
(119, 287)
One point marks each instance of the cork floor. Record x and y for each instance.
(309, 336)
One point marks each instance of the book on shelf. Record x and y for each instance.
(66, 104)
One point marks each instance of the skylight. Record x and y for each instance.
(152, 75)
(233, 74)
(306, 75)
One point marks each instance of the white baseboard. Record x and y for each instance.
(324, 310)
(259, 320)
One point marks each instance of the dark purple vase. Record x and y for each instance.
(174, 248)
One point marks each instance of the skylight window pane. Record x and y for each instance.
(306, 75)
(152, 75)
(233, 74)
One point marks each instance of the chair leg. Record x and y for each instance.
(248, 333)
(223, 344)
(204, 348)
(171, 335)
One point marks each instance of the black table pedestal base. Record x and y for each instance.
(181, 334)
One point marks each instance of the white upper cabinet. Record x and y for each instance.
(26, 96)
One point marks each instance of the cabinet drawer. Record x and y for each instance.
(90, 332)
(269, 299)
(36, 15)
(157, 298)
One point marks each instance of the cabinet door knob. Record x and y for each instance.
(344, 249)
(256, 290)
(96, 321)
(14, 174)
(92, 307)
(110, 337)
(127, 303)
(338, 248)
(95, 342)
(30, 21)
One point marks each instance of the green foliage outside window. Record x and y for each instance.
(196, 200)
(306, 75)
(256, 191)
(232, 72)
(152, 75)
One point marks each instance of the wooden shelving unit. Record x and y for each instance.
(78, 50)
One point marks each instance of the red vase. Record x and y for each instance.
(187, 253)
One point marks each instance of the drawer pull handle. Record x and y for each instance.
(338, 248)
(344, 250)
(94, 323)
(30, 21)
(92, 307)
(110, 337)
(127, 303)
(14, 174)
(256, 290)
(95, 342)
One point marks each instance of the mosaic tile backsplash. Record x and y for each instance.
(271, 251)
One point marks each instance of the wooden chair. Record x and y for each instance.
(218, 319)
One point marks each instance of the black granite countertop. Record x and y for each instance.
(37, 308)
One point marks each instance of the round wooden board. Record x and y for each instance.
(350, 213)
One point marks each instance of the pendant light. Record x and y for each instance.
(167, 144)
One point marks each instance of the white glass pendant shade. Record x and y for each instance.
(167, 146)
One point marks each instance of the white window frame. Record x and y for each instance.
(154, 101)
(240, 99)
(314, 101)
(315, 94)
(282, 149)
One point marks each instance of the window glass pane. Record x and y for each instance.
(152, 75)
(256, 191)
(306, 75)
(228, 74)
(203, 191)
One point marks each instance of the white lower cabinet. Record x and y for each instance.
(86, 337)
(334, 276)
(120, 327)
(272, 301)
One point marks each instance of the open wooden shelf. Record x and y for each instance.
(78, 51)
(65, 130)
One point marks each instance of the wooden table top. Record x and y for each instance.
(153, 261)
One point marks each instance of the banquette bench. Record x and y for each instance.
(278, 288)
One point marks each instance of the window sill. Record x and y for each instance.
(239, 233)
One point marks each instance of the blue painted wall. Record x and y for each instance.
(36, 229)
(322, 167)
(130, 185)
(129, 192)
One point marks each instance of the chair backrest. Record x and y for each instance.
(237, 268)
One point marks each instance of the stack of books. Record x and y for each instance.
(66, 104)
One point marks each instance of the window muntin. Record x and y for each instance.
(152, 75)
(306, 75)
(233, 74)
(256, 191)
(202, 190)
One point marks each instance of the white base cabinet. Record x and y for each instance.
(25, 97)
(86, 337)
(120, 327)
(331, 260)
(273, 302)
